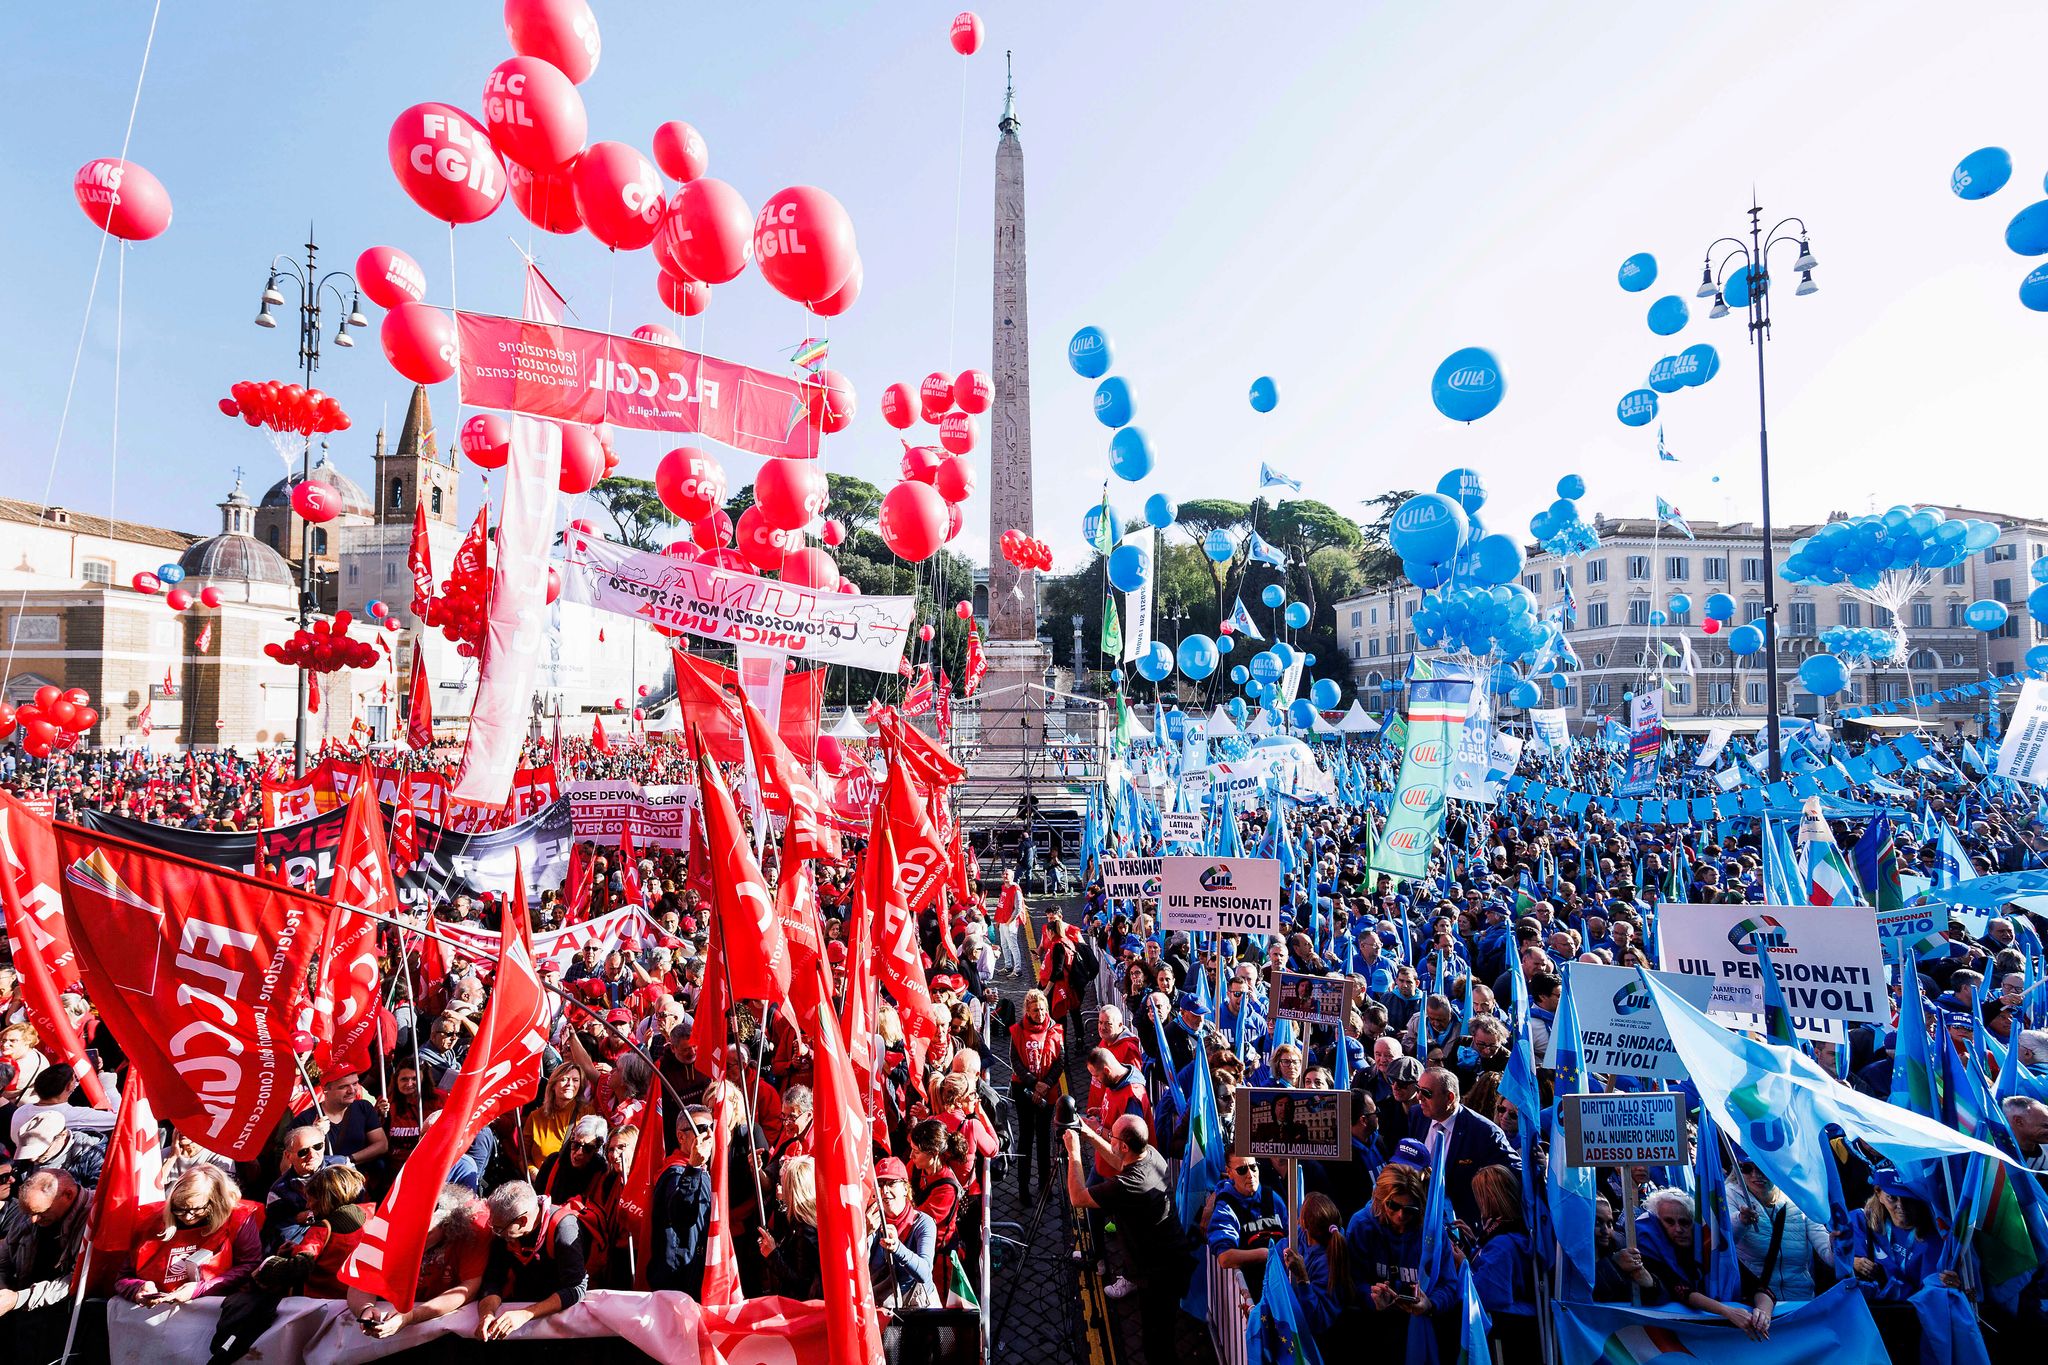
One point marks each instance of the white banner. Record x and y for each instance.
(1553, 734)
(1220, 895)
(1620, 1029)
(1181, 827)
(661, 815)
(1138, 603)
(1828, 958)
(738, 609)
(1710, 752)
(1125, 879)
(557, 947)
(2023, 754)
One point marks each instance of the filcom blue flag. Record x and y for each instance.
(1836, 1327)
(1775, 1104)
(1571, 1187)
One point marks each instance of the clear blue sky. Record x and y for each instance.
(1336, 195)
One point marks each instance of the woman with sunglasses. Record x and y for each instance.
(577, 1178)
(1385, 1244)
(202, 1241)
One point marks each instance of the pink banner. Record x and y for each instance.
(572, 375)
(517, 628)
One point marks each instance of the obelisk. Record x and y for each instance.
(1013, 714)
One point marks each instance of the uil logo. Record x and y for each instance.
(1766, 1130)
(1631, 999)
(1216, 877)
(1762, 930)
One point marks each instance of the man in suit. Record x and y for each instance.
(1473, 1142)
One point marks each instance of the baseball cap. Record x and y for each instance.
(618, 1016)
(890, 1169)
(1410, 1151)
(39, 1136)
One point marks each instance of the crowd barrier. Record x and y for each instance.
(1230, 1308)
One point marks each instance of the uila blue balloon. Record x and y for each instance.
(1088, 353)
(1468, 384)
(1981, 174)
(1113, 401)
(1637, 273)
(1265, 394)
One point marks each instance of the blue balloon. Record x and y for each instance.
(1130, 567)
(170, 573)
(1238, 675)
(1464, 487)
(1525, 694)
(1130, 454)
(1638, 272)
(1218, 546)
(1668, 314)
(2037, 600)
(1113, 401)
(1267, 668)
(1296, 615)
(2027, 233)
(1744, 641)
(1225, 643)
(1265, 394)
(1823, 675)
(1468, 384)
(1326, 694)
(1499, 559)
(1657, 618)
(1308, 660)
(1094, 515)
(1285, 653)
(1981, 174)
(1302, 713)
(1426, 575)
(1735, 289)
(1636, 408)
(1156, 663)
(1236, 709)
(2037, 657)
(1428, 528)
(1160, 511)
(1571, 487)
(1664, 376)
(1273, 595)
(1560, 681)
(2034, 289)
(1088, 353)
(1720, 606)
(1699, 363)
(1680, 604)
(1985, 614)
(1197, 656)
(2039, 571)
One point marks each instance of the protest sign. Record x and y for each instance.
(1181, 827)
(1284, 1122)
(1220, 895)
(1125, 879)
(1620, 1030)
(1552, 733)
(660, 815)
(1645, 743)
(1643, 1128)
(1828, 958)
(2023, 754)
(1308, 999)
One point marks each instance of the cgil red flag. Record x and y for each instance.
(345, 991)
(786, 790)
(200, 973)
(629, 863)
(636, 1192)
(721, 1287)
(597, 739)
(977, 662)
(130, 1181)
(420, 559)
(419, 706)
(796, 907)
(920, 853)
(501, 1070)
(756, 958)
(39, 939)
(927, 762)
(898, 962)
(843, 1156)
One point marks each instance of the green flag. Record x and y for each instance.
(1436, 709)
(1112, 629)
(1104, 539)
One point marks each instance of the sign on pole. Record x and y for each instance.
(1129, 879)
(1828, 958)
(1281, 1121)
(1220, 895)
(1620, 1028)
(1646, 1128)
(1308, 999)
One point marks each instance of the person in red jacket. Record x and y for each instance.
(203, 1240)
(1113, 1091)
(1010, 912)
(1037, 1060)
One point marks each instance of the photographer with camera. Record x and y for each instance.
(1138, 1198)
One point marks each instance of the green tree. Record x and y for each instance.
(1203, 515)
(1376, 558)
(635, 508)
(1303, 529)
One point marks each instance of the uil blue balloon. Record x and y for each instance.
(2037, 657)
(1236, 709)
(1130, 454)
(1636, 408)
(1668, 314)
(170, 573)
(1130, 568)
(1225, 643)
(1093, 517)
(1468, 384)
(1823, 675)
(1197, 656)
(1744, 641)
(1302, 713)
(1720, 606)
(1637, 273)
(1427, 528)
(1113, 401)
(1265, 394)
(1525, 694)
(1699, 363)
(1326, 694)
(1985, 615)
(1680, 604)
(1160, 511)
(2037, 600)
(1238, 674)
(1665, 377)
(1273, 595)
(1296, 615)
(1088, 353)
(1735, 289)
(1156, 662)
(1982, 173)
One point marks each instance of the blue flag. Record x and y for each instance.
(1571, 1187)
(1270, 477)
(1836, 1327)
(1276, 1331)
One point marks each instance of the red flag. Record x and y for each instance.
(636, 1192)
(132, 1178)
(721, 1287)
(597, 739)
(708, 1035)
(897, 959)
(170, 687)
(843, 1156)
(420, 559)
(436, 956)
(750, 934)
(419, 706)
(345, 991)
(977, 664)
(39, 939)
(576, 886)
(944, 704)
(501, 1070)
(199, 972)
(918, 699)
(405, 828)
(796, 906)
(931, 765)
(919, 851)
(704, 698)
(471, 554)
(144, 721)
(629, 863)
(787, 790)
(697, 862)
(857, 1008)
(205, 639)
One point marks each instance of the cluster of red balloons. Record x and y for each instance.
(122, 198)
(587, 454)
(325, 648)
(1026, 552)
(457, 611)
(56, 719)
(285, 408)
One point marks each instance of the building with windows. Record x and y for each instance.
(1610, 594)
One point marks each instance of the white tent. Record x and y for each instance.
(1323, 727)
(1221, 726)
(1139, 733)
(849, 727)
(1263, 725)
(1356, 722)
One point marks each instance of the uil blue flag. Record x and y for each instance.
(1834, 1329)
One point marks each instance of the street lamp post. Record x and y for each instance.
(1755, 278)
(311, 284)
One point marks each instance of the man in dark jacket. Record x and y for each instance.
(536, 1262)
(37, 1258)
(1473, 1142)
(681, 1208)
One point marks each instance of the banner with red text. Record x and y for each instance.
(660, 815)
(328, 783)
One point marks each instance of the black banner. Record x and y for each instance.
(449, 865)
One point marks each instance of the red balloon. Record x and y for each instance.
(209, 597)
(713, 532)
(560, 32)
(844, 297)
(554, 586)
(921, 463)
(84, 720)
(913, 521)
(831, 757)
(957, 432)
(77, 696)
(954, 479)
(706, 231)
(830, 397)
(37, 738)
(729, 559)
(1711, 626)
(936, 396)
(973, 391)
(177, 599)
(533, 112)
(314, 501)
(899, 406)
(834, 532)
(803, 242)
(546, 199)
(964, 610)
(618, 703)
(639, 713)
(443, 158)
(681, 549)
(925, 634)
(62, 713)
(230, 408)
(764, 544)
(680, 151)
(618, 192)
(790, 493)
(687, 297)
(966, 35)
(690, 483)
(122, 198)
(811, 567)
(582, 459)
(147, 582)
(656, 333)
(487, 440)
(419, 342)
(390, 277)
(6, 719)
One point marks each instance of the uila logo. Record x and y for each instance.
(1418, 798)
(1473, 379)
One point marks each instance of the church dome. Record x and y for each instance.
(233, 557)
(354, 501)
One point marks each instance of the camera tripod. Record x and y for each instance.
(1022, 1237)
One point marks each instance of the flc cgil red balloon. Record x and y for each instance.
(487, 439)
(444, 160)
(122, 198)
(618, 193)
(790, 493)
(419, 341)
(966, 35)
(707, 231)
(914, 521)
(390, 277)
(680, 151)
(687, 297)
(656, 333)
(583, 459)
(843, 298)
(560, 32)
(534, 114)
(803, 243)
(690, 483)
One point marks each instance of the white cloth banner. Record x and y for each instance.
(517, 611)
(1710, 752)
(1138, 603)
(661, 814)
(2023, 754)
(736, 608)
(558, 946)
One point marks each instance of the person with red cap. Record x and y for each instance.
(905, 1247)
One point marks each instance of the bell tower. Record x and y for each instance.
(414, 472)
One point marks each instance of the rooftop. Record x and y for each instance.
(85, 524)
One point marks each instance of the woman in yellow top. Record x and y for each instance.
(565, 1099)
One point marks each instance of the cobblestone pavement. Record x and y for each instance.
(1046, 1307)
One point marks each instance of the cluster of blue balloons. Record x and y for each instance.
(1859, 643)
(1297, 613)
(1468, 384)
(1560, 528)
(1984, 173)
(1861, 550)
(1440, 536)
(1482, 620)
(1823, 675)
(1689, 369)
